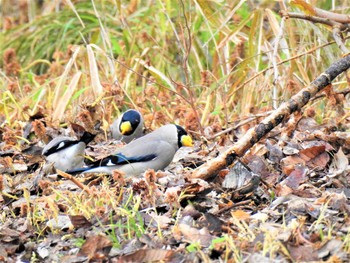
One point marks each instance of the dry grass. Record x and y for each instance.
(201, 56)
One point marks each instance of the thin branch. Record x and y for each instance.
(342, 92)
(74, 180)
(341, 18)
(256, 116)
(339, 40)
(326, 19)
(315, 19)
(186, 68)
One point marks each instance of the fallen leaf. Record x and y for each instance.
(303, 253)
(148, 255)
(297, 177)
(79, 221)
(96, 247)
(339, 164)
(240, 215)
(192, 234)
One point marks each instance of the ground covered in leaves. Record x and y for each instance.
(215, 67)
(287, 199)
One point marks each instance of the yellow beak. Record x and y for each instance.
(125, 127)
(186, 140)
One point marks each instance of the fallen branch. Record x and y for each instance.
(256, 133)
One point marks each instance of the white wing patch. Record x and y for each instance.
(110, 163)
(61, 145)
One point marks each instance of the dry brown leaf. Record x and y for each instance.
(303, 253)
(297, 177)
(148, 255)
(240, 215)
(314, 156)
(96, 247)
(340, 162)
(283, 190)
(79, 221)
(192, 234)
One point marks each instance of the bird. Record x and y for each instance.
(66, 153)
(154, 150)
(128, 126)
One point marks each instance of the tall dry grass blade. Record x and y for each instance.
(173, 27)
(277, 82)
(210, 12)
(223, 27)
(260, 23)
(8, 95)
(70, 4)
(95, 80)
(60, 85)
(106, 44)
(121, 86)
(41, 97)
(204, 13)
(156, 73)
(59, 110)
(232, 36)
(207, 109)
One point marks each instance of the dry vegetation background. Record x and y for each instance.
(210, 66)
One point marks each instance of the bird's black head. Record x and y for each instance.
(182, 138)
(133, 117)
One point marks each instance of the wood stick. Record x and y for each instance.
(74, 180)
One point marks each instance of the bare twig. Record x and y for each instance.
(339, 40)
(232, 205)
(239, 125)
(326, 18)
(342, 92)
(341, 18)
(186, 67)
(74, 180)
(315, 19)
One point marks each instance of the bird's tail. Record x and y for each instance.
(78, 170)
(87, 137)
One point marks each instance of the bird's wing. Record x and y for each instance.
(120, 159)
(63, 144)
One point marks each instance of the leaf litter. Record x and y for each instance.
(286, 195)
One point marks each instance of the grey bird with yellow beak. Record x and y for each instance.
(66, 153)
(128, 126)
(154, 151)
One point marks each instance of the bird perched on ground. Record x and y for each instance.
(155, 151)
(66, 153)
(128, 126)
